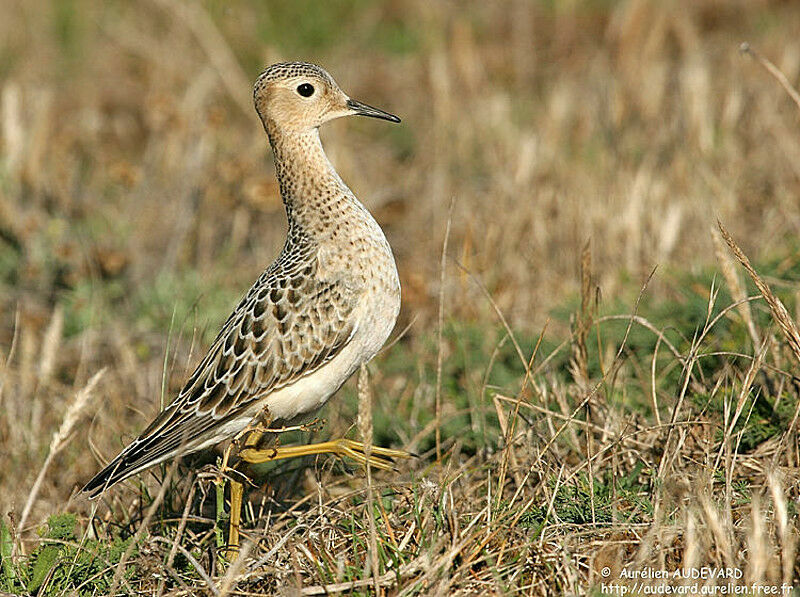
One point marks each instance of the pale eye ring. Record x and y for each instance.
(305, 89)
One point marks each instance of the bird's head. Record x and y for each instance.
(298, 96)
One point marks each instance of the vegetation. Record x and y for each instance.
(62, 563)
(603, 389)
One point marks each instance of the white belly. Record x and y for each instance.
(308, 394)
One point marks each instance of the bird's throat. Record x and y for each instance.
(314, 194)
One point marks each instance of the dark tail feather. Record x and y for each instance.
(145, 452)
(162, 440)
(122, 467)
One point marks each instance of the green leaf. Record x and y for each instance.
(46, 560)
(6, 547)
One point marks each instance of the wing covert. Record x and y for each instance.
(287, 326)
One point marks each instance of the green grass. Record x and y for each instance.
(580, 502)
(761, 419)
(64, 563)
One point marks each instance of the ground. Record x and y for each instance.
(595, 391)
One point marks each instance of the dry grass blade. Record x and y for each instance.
(216, 48)
(60, 438)
(608, 374)
(119, 573)
(365, 428)
(757, 542)
(50, 344)
(440, 331)
(133, 191)
(787, 539)
(5, 362)
(523, 361)
(385, 580)
(179, 533)
(745, 48)
(776, 307)
(735, 286)
(579, 366)
(508, 428)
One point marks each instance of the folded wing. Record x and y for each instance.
(287, 326)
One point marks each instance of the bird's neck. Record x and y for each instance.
(309, 185)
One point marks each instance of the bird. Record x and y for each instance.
(320, 311)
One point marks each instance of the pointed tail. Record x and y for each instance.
(127, 463)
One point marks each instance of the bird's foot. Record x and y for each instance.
(344, 448)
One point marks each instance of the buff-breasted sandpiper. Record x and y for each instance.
(321, 310)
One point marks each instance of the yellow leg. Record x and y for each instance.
(236, 517)
(379, 457)
(253, 434)
(344, 448)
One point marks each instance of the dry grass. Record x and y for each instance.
(563, 426)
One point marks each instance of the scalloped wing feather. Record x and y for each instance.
(289, 325)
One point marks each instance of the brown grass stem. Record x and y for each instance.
(746, 48)
(61, 437)
(440, 331)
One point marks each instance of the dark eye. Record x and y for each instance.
(305, 89)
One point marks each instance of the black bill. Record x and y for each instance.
(365, 110)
